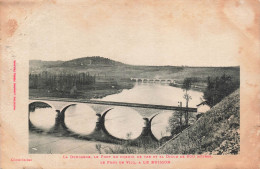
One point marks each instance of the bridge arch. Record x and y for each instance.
(146, 80)
(40, 101)
(123, 123)
(150, 127)
(39, 109)
(103, 127)
(78, 118)
(160, 124)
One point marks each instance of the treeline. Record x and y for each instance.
(219, 87)
(59, 82)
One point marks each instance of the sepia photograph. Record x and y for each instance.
(99, 105)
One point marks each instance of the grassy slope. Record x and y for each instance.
(217, 132)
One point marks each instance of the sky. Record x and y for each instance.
(192, 33)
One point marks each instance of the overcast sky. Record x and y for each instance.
(174, 32)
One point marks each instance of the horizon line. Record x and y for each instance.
(129, 64)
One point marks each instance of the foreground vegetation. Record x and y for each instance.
(216, 132)
(220, 87)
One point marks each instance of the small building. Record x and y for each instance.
(203, 107)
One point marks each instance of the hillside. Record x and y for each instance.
(91, 61)
(101, 66)
(217, 132)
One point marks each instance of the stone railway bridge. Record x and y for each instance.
(147, 80)
(100, 133)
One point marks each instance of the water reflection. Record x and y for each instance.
(124, 123)
(81, 119)
(42, 115)
(160, 125)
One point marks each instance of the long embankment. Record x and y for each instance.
(216, 132)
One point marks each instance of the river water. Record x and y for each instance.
(123, 122)
(153, 93)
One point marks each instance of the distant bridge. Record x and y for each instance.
(148, 111)
(146, 80)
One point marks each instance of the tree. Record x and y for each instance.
(219, 88)
(175, 121)
(187, 86)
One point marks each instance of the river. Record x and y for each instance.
(154, 93)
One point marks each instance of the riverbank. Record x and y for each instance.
(96, 91)
(196, 87)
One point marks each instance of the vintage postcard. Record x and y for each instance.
(130, 84)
